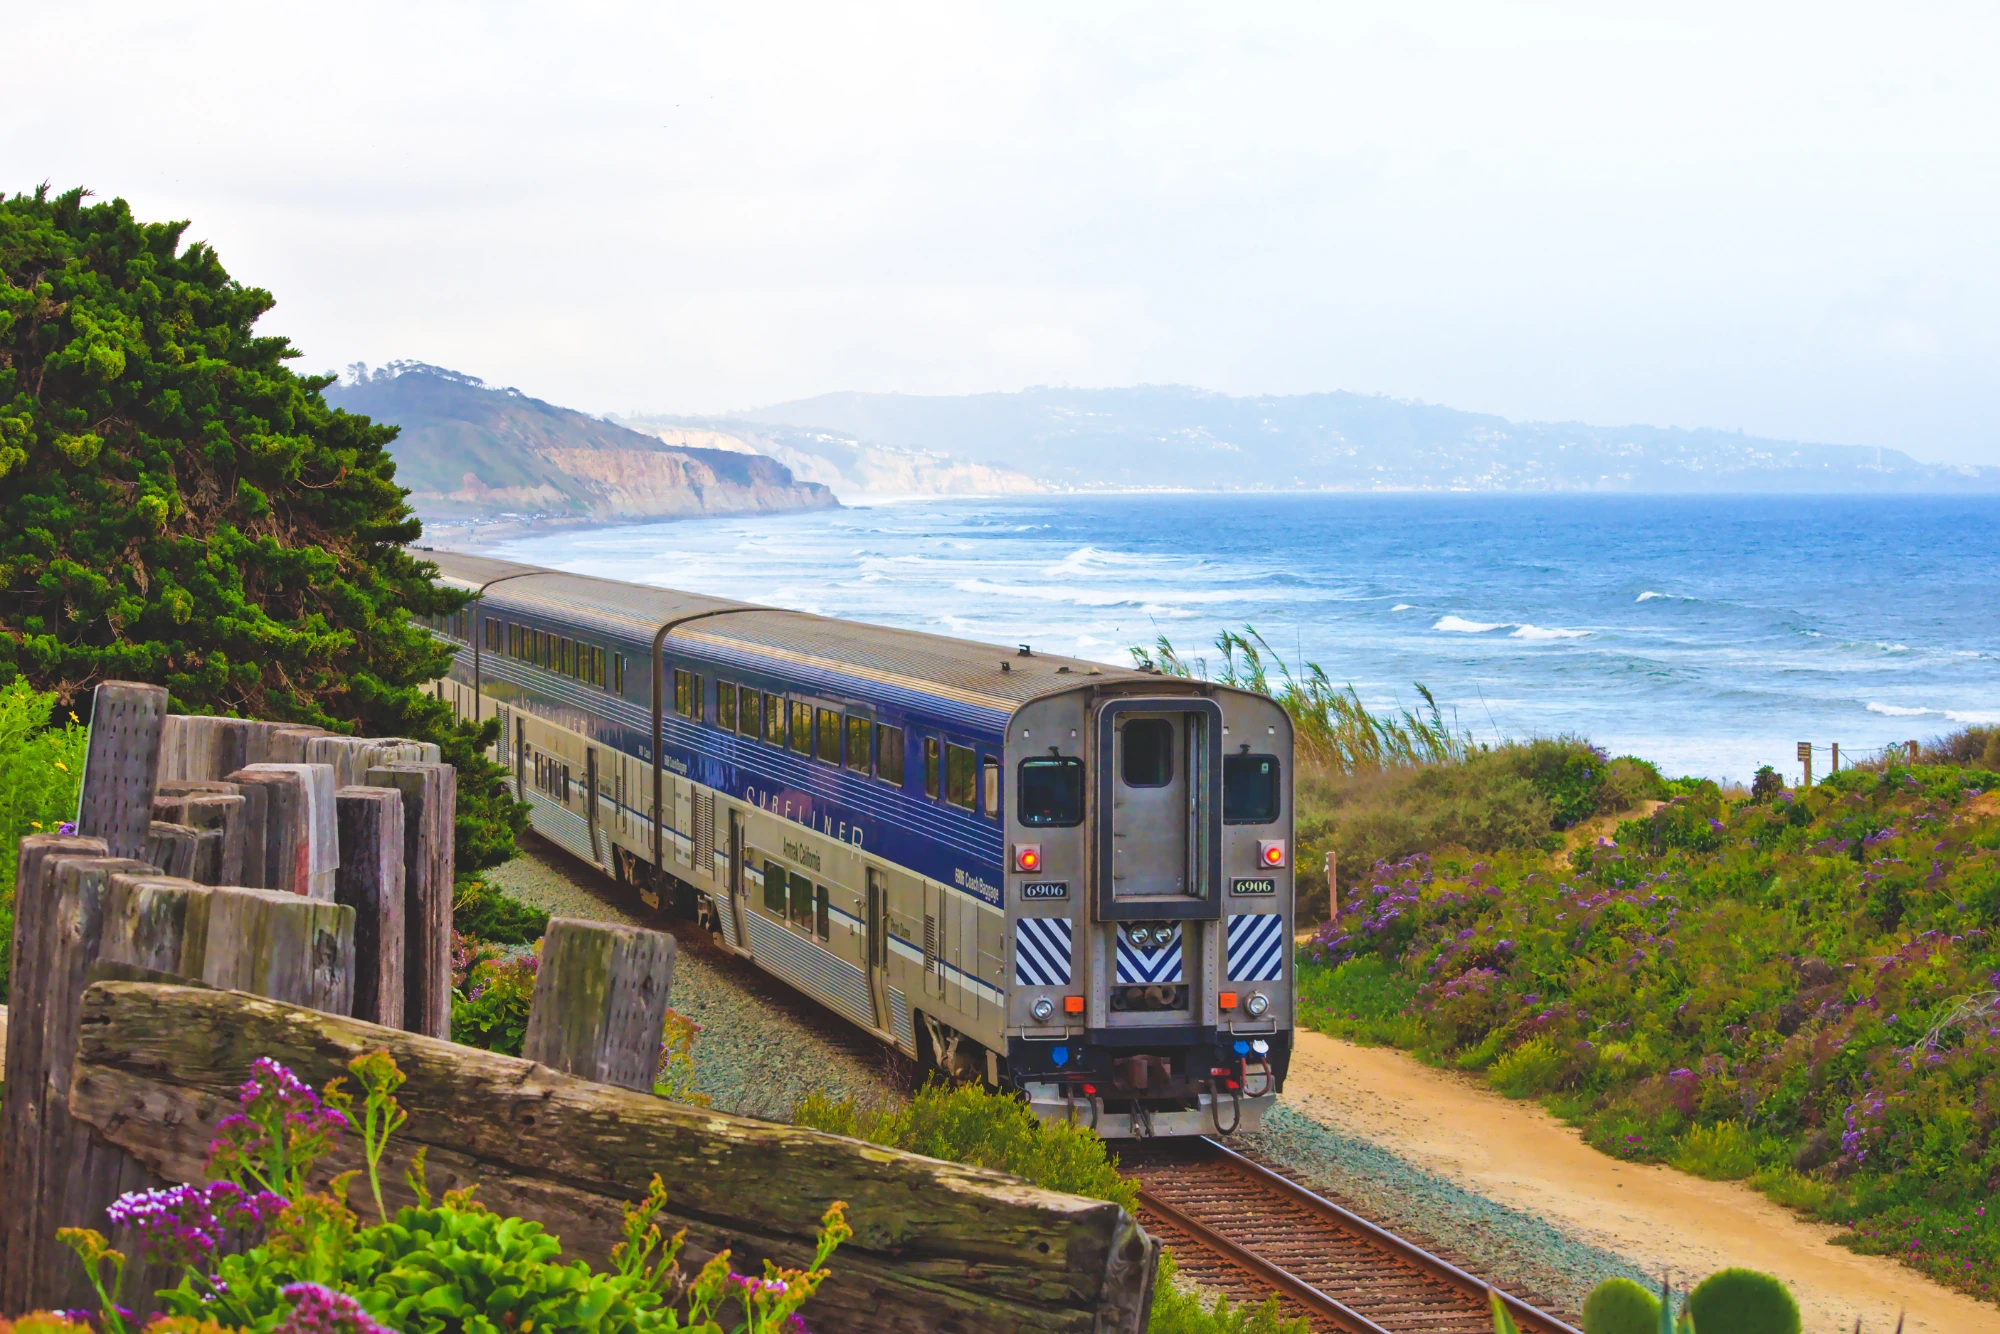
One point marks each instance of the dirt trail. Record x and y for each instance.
(1517, 1154)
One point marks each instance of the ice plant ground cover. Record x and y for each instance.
(308, 1264)
(1801, 989)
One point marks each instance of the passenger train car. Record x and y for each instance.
(1062, 878)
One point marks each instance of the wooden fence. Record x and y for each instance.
(141, 998)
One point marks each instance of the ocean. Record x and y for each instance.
(1707, 634)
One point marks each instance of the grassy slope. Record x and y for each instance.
(1801, 992)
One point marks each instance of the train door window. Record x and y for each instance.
(822, 925)
(1148, 759)
(802, 740)
(961, 769)
(857, 744)
(725, 706)
(749, 712)
(802, 900)
(889, 754)
(931, 762)
(828, 736)
(989, 787)
(1249, 789)
(774, 720)
(878, 941)
(1050, 791)
(774, 890)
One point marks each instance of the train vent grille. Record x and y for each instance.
(930, 945)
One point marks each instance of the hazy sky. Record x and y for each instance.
(1779, 219)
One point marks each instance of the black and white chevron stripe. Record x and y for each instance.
(1148, 967)
(1257, 947)
(1042, 951)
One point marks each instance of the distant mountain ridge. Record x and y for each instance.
(468, 451)
(851, 467)
(1177, 437)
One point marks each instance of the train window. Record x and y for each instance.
(513, 640)
(857, 745)
(618, 673)
(822, 925)
(889, 754)
(683, 693)
(931, 762)
(802, 728)
(566, 656)
(774, 720)
(802, 899)
(1249, 789)
(989, 788)
(749, 712)
(493, 636)
(960, 775)
(774, 890)
(1148, 759)
(828, 736)
(1051, 791)
(725, 706)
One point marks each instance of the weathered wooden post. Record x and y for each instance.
(1332, 884)
(25, 1112)
(370, 881)
(301, 841)
(1805, 758)
(1834, 766)
(601, 1002)
(120, 769)
(220, 819)
(171, 847)
(287, 745)
(430, 805)
(1913, 752)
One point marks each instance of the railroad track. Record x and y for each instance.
(1238, 1225)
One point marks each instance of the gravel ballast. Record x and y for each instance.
(761, 1048)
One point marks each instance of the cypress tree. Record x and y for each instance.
(177, 506)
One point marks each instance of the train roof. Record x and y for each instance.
(961, 669)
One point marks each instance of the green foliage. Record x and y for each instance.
(676, 1078)
(1177, 1311)
(181, 508)
(1742, 1301)
(1331, 726)
(492, 1009)
(1620, 1306)
(1802, 990)
(41, 769)
(484, 911)
(969, 1124)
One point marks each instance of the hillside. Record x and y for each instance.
(850, 467)
(1172, 436)
(469, 451)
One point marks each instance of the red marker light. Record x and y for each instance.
(1072, 1005)
(1271, 851)
(1028, 857)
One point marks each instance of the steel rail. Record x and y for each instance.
(1300, 1291)
(1527, 1316)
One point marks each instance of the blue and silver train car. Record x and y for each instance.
(1062, 878)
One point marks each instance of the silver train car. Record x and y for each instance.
(1065, 879)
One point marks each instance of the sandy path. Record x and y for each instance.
(1517, 1154)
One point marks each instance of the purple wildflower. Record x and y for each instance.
(321, 1310)
(66, 827)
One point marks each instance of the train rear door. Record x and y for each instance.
(877, 945)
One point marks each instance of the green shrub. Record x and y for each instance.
(1177, 1311)
(41, 771)
(1360, 999)
(1620, 1306)
(1532, 1068)
(1724, 1151)
(970, 1124)
(1742, 1301)
(492, 1011)
(484, 911)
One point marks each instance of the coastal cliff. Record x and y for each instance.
(849, 466)
(468, 451)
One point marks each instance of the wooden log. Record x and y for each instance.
(171, 847)
(24, 1111)
(601, 1001)
(938, 1248)
(370, 881)
(430, 806)
(121, 766)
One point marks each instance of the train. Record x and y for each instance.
(1068, 880)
